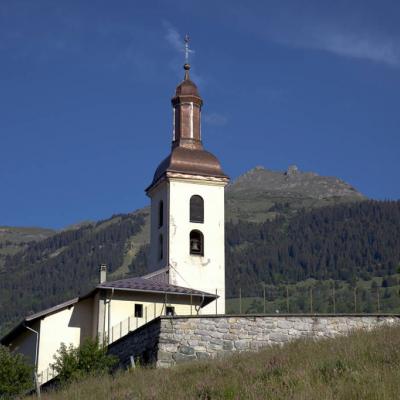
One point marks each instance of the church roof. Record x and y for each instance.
(187, 87)
(147, 285)
(190, 162)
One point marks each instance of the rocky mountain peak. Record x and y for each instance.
(293, 182)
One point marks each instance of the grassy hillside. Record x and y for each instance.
(364, 365)
(18, 235)
(14, 239)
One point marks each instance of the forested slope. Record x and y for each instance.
(270, 237)
(342, 242)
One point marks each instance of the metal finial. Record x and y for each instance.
(187, 50)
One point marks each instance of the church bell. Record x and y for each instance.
(195, 245)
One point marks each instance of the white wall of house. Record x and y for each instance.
(69, 326)
(25, 343)
(121, 308)
(73, 324)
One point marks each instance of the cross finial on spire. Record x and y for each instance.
(187, 50)
(186, 67)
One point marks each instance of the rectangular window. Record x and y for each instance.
(139, 310)
(170, 311)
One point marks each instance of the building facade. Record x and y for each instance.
(110, 311)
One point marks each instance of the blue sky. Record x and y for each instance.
(85, 90)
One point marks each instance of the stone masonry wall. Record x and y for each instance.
(167, 341)
(186, 339)
(141, 344)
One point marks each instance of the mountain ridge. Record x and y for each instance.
(294, 181)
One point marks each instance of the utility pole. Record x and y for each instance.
(37, 385)
(333, 298)
(355, 299)
(378, 299)
(287, 299)
(240, 300)
(264, 299)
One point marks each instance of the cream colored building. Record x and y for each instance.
(187, 254)
(110, 311)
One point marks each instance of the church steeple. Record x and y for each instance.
(187, 105)
(187, 204)
(187, 156)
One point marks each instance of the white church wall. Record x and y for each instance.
(206, 273)
(160, 193)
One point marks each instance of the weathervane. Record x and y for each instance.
(187, 50)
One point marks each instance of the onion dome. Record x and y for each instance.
(188, 156)
(187, 87)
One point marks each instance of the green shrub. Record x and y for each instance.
(73, 363)
(16, 375)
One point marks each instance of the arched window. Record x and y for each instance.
(161, 214)
(196, 243)
(196, 209)
(160, 247)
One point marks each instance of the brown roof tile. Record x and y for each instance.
(146, 285)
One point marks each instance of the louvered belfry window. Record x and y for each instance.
(196, 209)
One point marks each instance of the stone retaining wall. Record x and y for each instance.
(141, 344)
(170, 340)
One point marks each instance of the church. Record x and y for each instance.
(187, 253)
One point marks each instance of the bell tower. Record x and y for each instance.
(187, 205)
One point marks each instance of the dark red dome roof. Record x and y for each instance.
(191, 162)
(187, 88)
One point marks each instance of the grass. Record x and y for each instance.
(364, 365)
(23, 234)
(258, 206)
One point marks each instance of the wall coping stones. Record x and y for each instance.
(280, 315)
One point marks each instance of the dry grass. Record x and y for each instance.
(361, 366)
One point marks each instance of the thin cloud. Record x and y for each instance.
(176, 41)
(347, 34)
(173, 37)
(216, 119)
(352, 44)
